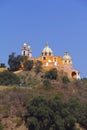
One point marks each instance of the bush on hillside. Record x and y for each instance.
(8, 78)
(46, 84)
(28, 65)
(51, 74)
(65, 79)
(2, 65)
(1, 127)
(38, 66)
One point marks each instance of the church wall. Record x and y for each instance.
(60, 63)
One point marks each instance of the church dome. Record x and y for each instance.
(67, 58)
(47, 50)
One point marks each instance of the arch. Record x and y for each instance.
(24, 53)
(74, 74)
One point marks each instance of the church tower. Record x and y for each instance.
(26, 51)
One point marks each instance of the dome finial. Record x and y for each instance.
(66, 53)
(46, 43)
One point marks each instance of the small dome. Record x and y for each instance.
(28, 47)
(47, 50)
(67, 57)
(25, 44)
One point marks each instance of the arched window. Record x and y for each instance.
(24, 53)
(49, 53)
(44, 58)
(45, 53)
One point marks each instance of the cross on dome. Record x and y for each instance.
(46, 44)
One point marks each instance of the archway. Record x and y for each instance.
(74, 74)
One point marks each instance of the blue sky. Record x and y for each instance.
(63, 23)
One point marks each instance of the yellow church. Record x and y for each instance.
(49, 60)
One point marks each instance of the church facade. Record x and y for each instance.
(49, 60)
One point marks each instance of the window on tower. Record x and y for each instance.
(24, 53)
(44, 58)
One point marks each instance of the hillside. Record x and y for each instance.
(14, 99)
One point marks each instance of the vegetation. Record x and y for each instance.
(28, 65)
(8, 78)
(2, 65)
(14, 62)
(46, 84)
(38, 66)
(51, 74)
(65, 79)
(53, 114)
(1, 127)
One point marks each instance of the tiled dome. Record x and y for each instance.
(67, 58)
(47, 50)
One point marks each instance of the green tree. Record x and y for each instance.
(28, 65)
(2, 65)
(14, 62)
(51, 114)
(83, 115)
(32, 123)
(51, 74)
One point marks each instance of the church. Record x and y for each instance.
(49, 60)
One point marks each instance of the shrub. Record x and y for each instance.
(65, 79)
(8, 78)
(19, 121)
(2, 65)
(28, 65)
(1, 127)
(46, 84)
(51, 74)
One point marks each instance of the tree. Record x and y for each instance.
(38, 66)
(28, 65)
(51, 74)
(32, 123)
(2, 65)
(50, 114)
(14, 62)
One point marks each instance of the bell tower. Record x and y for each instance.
(26, 50)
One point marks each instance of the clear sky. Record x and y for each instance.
(63, 23)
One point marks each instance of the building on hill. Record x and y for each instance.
(26, 51)
(49, 60)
